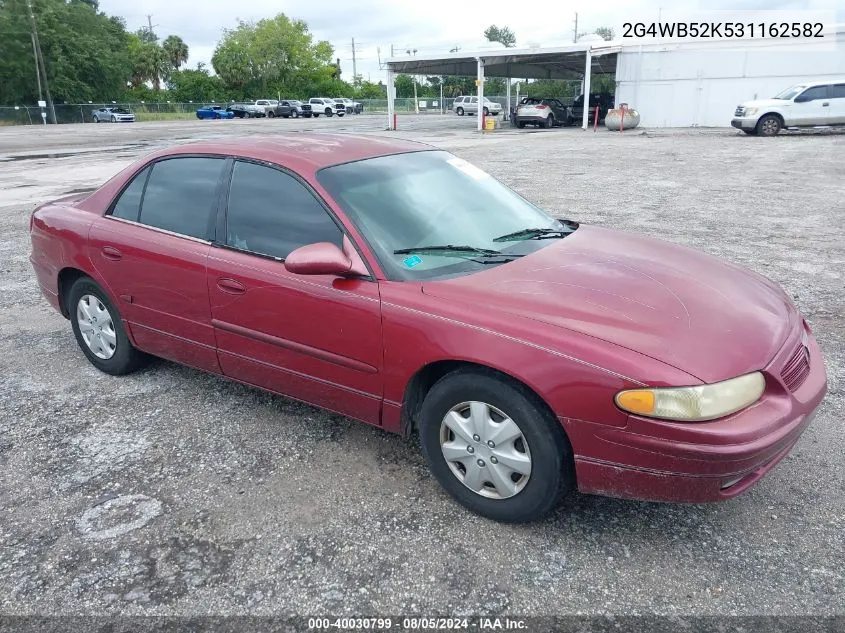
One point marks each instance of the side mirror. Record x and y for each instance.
(322, 258)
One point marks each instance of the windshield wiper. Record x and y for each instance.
(451, 250)
(533, 234)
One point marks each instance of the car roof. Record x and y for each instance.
(301, 151)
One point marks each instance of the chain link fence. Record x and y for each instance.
(167, 111)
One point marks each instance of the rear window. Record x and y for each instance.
(129, 203)
(181, 195)
(838, 91)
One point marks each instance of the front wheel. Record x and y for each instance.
(329, 112)
(492, 445)
(99, 330)
(486, 112)
(96, 119)
(295, 114)
(271, 114)
(769, 125)
(114, 119)
(459, 111)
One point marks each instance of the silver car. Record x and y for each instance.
(112, 115)
(469, 105)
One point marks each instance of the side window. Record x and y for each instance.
(816, 92)
(272, 213)
(129, 203)
(474, 100)
(838, 91)
(181, 195)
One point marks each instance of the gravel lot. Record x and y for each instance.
(175, 492)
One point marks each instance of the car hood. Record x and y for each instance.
(707, 317)
(765, 103)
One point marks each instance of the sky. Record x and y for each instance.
(430, 26)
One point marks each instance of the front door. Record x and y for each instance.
(316, 338)
(151, 250)
(837, 104)
(811, 107)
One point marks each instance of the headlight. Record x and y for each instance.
(751, 111)
(694, 404)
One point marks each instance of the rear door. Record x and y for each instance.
(152, 250)
(316, 338)
(837, 104)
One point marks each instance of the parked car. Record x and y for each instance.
(469, 105)
(808, 104)
(112, 115)
(214, 112)
(604, 101)
(289, 108)
(352, 107)
(660, 373)
(256, 109)
(542, 113)
(324, 105)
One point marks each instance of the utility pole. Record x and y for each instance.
(354, 64)
(37, 70)
(392, 54)
(575, 33)
(40, 59)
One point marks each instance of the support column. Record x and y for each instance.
(480, 116)
(390, 104)
(585, 119)
(508, 95)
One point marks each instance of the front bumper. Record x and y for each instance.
(744, 123)
(656, 460)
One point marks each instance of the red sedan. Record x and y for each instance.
(402, 286)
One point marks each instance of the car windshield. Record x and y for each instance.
(443, 212)
(790, 93)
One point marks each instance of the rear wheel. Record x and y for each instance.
(550, 122)
(99, 330)
(96, 119)
(459, 111)
(271, 114)
(769, 125)
(494, 447)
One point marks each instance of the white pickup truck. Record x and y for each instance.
(808, 104)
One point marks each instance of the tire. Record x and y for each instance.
(96, 119)
(271, 114)
(769, 125)
(459, 111)
(486, 111)
(549, 122)
(520, 124)
(329, 112)
(216, 116)
(113, 119)
(248, 115)
(541, 447)
(123, 358)
(295, 114)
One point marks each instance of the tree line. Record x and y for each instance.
(91, 56)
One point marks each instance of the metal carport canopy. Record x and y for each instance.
(576, 61)
(565, 62)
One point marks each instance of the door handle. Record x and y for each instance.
(110, 252)
(231, 286)
(825, 104)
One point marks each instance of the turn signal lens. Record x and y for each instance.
(694, 404)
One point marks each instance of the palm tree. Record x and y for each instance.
(176, 51)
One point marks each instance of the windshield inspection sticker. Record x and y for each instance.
(413, 260)
(468, 168)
